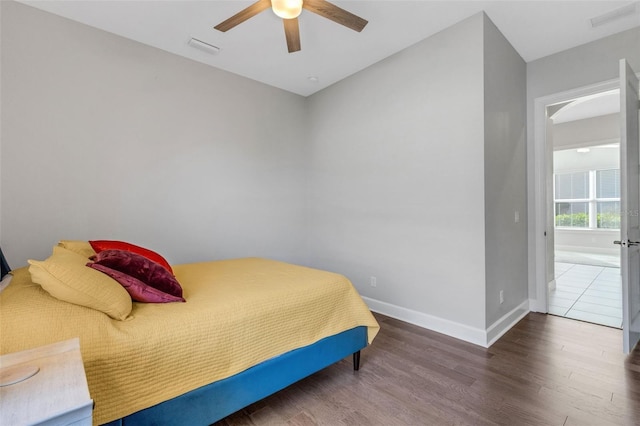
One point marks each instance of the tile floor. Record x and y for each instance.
(583, 258)
(588, 293)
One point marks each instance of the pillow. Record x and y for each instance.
(65, 276)
(101, 245)
(139, 291)
(141, 268)
(81, 247)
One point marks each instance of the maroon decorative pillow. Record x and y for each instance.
(139, 291)
(101, 245)
(141, 268)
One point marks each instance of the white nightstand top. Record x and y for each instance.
(57, 395)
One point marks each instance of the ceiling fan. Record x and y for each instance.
(289, 10)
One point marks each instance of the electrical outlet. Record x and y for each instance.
(501, 297)
(374, 282)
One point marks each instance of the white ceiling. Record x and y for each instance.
(257, 49)
(603, 103)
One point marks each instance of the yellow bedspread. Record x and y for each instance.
(238, 313)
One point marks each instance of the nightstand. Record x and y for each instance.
(56, 395)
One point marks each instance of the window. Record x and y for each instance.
(572, 185)
(572, 214)
(608, 198)
(588, 199)
(572, 199)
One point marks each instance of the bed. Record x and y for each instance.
(249, 327)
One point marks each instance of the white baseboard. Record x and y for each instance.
(504, 324)
(477, 336)
(537, 306)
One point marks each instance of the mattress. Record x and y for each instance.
(238, 313)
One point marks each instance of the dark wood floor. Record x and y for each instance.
(545, 371)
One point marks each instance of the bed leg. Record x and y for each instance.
(356, 361)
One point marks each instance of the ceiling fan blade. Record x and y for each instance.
(243, 15)
(336, 14)
(292, 32)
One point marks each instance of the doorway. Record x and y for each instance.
(583, 137)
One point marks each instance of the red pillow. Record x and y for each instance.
(100, 245)
(139, 291)
(141, 268)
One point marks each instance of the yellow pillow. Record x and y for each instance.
(81, 247)
(66, 277)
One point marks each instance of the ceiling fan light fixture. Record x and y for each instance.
(287, 9)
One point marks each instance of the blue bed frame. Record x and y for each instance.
(215, 401)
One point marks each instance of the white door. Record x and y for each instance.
(630, 206)
(551, 211)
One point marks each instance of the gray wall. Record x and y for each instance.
(598, 158)
(397, 188)
(384, 174)
(0, 127)
(505, 185)
(590, 63)
(400, 190)
(103, 137)
(581, 66)
(586, 132)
